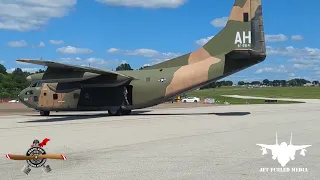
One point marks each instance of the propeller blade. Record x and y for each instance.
(19, 157)
(40, 156)
(52, 156)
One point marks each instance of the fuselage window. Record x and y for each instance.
(245, 17)
(55, 96)
(29, 92)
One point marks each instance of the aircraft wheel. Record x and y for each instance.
(46, 169)
(114, 112)
(26, 169)
(126, 112)
(44, 113)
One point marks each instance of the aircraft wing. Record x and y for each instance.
(267, 146)
(299, 147)
(59, 66)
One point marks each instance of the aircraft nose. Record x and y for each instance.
(29, 78)
(21, 95)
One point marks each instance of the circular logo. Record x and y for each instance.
(36, 162)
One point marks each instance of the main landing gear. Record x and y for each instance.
(119, 112)
(44, 113)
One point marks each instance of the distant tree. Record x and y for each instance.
(17, 72)
(255, 82)
(283, 83)
(266, 82)
(240, 83)
(124, 67)
(3, 70)
(228, 83)
(315, 82)
(40, 71)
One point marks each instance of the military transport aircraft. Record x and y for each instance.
(62, 87)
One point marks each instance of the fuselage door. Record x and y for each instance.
(46, 96)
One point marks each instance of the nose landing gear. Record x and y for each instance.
(44, 113)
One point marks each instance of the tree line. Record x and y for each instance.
(265, 82)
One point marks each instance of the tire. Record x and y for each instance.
(184, 101)
(44, 113)
(114, 113)
(126, 112)
(47, 169)
(195, 101)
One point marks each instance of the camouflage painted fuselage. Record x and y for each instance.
(239, 45)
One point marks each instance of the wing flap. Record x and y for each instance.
(55, 65)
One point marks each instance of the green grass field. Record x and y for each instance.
(272, 92)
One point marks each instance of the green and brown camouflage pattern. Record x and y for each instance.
(239, 45)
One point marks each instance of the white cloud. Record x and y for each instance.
(145, 3)
(1, 62)
(143, 52)
(97, 61)
(146, 65)
(203, 41)
(56, 41)
(279, 69)
(297, 38)
(21, 43)
(41, 44)
(276, 38)
(220, 22)
(25, 15)
(291, 51)
(303, 66)
(74, 50)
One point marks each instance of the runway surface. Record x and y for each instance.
(216, 142)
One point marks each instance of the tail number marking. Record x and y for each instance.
(243, 39)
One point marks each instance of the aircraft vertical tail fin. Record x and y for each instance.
(244, 30)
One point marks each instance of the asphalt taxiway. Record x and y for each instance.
(216, 142)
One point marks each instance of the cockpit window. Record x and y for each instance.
(39, 84)
(30, 92)
(36, 84)
(33, 85)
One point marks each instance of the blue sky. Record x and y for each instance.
(106, 33)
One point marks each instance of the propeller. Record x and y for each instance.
(34, 157)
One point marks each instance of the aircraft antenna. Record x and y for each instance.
(277, 139)
(291, 139)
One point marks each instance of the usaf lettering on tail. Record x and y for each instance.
(243, 39)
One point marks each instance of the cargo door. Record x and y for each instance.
(46, 94)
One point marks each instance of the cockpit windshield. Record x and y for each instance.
(36, 84)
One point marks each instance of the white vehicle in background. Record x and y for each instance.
(190, 99)
(13, 101)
